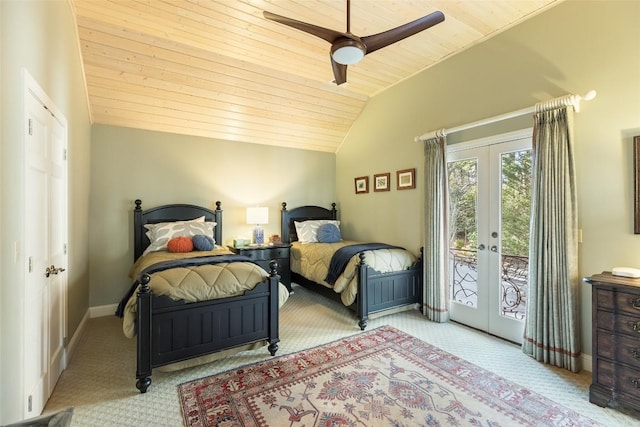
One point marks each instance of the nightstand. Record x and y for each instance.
(263, 254)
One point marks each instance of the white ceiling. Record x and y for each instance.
(219, 69)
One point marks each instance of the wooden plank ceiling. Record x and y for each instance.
(219, 69)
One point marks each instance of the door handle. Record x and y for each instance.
(53, 270)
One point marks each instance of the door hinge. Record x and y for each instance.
(30, 127)
(30, 403)
(65, 342)
(64, 154)
(64, 248)
(30, 264)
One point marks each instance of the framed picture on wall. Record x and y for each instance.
(406, 179)
(362, 184)
(381, 182)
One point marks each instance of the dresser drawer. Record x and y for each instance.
(619, 348)
(622, 302)
(626, 380)
(628, 325)
(267, 254)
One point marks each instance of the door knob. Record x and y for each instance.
(53, 270)
(481, 247)
(494, 248)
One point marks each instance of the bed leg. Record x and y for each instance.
(143, 384)
(273, 347)
(362, 323)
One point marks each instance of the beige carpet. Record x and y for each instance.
(100, 380)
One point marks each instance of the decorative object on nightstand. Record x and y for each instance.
(275, 239)
(258, 216)
(262, 255)
(616, 340)
(241, 242)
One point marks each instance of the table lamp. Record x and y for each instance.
(258, 216)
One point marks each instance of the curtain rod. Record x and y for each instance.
(552, 103)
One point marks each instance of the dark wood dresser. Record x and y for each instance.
(616, 341)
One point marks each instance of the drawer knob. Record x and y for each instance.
(635, 303)
(635, 354)
(636, 382)
(635, 326)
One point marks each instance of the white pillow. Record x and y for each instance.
(167, 231)
(307, 231)
(152, 227)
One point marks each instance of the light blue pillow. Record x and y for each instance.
(202, 243)
(328, 233)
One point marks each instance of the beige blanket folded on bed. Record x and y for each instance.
(312, 260)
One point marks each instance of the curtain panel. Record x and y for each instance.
(435, 303)
(552, 333)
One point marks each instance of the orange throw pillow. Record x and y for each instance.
(180, 244)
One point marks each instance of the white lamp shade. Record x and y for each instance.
(258, 215)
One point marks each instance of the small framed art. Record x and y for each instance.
(406, 179)
(381, 181)
(362, 184)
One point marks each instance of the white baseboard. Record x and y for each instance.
(92, 312)
(103, 310)
(73, 342)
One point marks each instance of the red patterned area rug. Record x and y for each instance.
(383, 377)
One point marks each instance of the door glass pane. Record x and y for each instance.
(515, 214)
(463, 231)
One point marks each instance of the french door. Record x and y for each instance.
(489, 212)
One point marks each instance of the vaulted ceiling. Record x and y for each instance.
(219, 69)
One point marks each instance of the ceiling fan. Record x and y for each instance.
(347, 48)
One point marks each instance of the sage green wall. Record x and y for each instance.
(161, 168)
(571, 48)
(40, 37)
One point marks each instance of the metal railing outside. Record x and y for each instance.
(464, 281)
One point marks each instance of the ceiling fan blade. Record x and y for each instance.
(339, 72)
(380, 40)
(324, 33)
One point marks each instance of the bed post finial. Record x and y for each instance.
(284, 206)
(218, 203)
(333, 207)
(138, 204)
(144, 284)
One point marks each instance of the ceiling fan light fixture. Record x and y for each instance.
(348, 51)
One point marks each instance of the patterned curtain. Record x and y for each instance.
(552, 333)
(436, 247)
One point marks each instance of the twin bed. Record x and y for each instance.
(191, 307)
(193, 304)
(376, 277)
